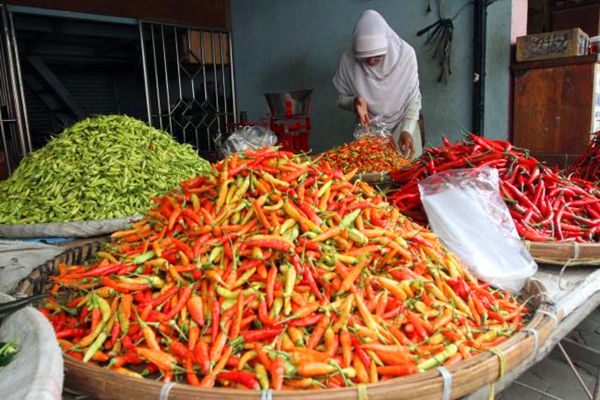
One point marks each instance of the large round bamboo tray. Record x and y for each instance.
(467, 376)
(73, 229)
(563, 253)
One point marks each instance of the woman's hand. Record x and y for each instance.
(405, 143)
(360, 106)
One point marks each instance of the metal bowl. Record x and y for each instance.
(289, 103)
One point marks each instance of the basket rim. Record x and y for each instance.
(519, 342)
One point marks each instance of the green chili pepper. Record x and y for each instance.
(100, 168)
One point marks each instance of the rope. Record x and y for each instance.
(361, 388)
(576, 250)
(502, 365)
(266, 394)
(562, 271)
(543, 292)
(536, 340)
(549, 314)
(165, 390)
(447, 377)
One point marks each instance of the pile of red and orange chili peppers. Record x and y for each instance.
(368, 154)
(588, 165)
(273, 273)
(545, 205)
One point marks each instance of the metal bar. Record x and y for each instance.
(168, 96)
(216, 83)
(11, 70)
(479, 46)
(46, 12)
(188, 26)
(539, 391)
(52, 80)
(178, 67)
(177, 60)
(203, 60)
(204, 86)
(20, 82)
(574, 369)
(191, 79)
(155, 65)
(145, 70)
(582, 352)
(223, 78)
(10, 148)
(4, 84)
(233, 98)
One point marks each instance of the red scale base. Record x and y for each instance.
(292, 132)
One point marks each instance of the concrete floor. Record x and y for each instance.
(554, 376)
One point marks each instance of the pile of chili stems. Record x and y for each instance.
(274, 273)
(588, 165)
(545, 205)
(370, 153)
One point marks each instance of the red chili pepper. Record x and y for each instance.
(70, 333)
(215, 308)
(307, 321)
(184, 295)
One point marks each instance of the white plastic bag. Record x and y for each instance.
(375, 127)
(247, 138)
(465, 209)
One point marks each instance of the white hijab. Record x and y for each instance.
(387, 87)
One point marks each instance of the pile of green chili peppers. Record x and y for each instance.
(100, 168)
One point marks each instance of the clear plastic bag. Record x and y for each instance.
(465, 209)
(375, 127)
(246, 138)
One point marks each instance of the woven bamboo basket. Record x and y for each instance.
(467, 376)
(563, 253)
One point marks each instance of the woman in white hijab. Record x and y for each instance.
(378, 77)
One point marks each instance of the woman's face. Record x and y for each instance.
(373, 61)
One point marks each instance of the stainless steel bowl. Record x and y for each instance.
(289, 103)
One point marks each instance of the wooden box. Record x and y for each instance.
(195, 42)
(556, 107)
(547, 45)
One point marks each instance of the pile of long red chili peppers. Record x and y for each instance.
(545, 205)
(588, 165)
(273, 273)
(368, 154)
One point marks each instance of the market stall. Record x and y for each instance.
(321, 253)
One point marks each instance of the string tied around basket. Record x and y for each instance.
(447, 382)
(543, 293)
(502, 366)
(568, 263)
(551, 314)
(361, 388)
(536, 340)
(165, 390)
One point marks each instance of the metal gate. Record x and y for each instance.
(15, 141)
(189, 82)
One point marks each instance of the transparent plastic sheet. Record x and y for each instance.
(246, 138)
(465, 209)
(375, 127)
